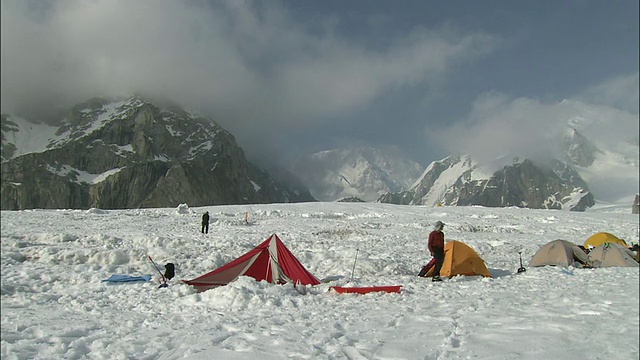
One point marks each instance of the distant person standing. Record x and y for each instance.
(436, 248)
(205, 223)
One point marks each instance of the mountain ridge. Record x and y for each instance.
(364, 172)
(137, 155)
(131, 152)
(456, 181)
(561, 183)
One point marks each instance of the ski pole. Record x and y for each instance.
(354, 265)
(164, 281)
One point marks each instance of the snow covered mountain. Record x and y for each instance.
(587, 171)
(361, 172)
(612, 170)
(584, 171)
(579, 150)
(459, 180)
(129, 153)
(436, 180)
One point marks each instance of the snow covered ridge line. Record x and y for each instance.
(82, 177)
(82, 120)
(607, 172)
(369, 174)
(132, 153)
(455, 181)
(360, 172)
(52, 290)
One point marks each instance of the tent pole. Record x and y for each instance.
(354, 265)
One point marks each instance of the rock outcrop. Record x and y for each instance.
(132, 153)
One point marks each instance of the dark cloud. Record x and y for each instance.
(249, 65)
(494, 83)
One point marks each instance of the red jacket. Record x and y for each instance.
(436, 240)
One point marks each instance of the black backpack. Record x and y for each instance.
(169, 271)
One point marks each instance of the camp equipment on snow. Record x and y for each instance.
(611, 255)
(120, 278)
(601, 238)
(164, 280)
(521, 269)
(366, 289)
(169, 271)
(460, 259)
(559, 253)
(270, 261)
(425, 269)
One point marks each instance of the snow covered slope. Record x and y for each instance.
(362, 172)
(54, 305)
(129, 153)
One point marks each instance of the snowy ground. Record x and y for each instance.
(55, 306)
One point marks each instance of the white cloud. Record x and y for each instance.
(249, 63)
(500, 127)
(344, 76)
(622, 92)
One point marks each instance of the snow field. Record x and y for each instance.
(54, 304)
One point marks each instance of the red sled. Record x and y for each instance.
(367, 289)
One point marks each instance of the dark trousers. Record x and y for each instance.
(438, 254)
(205, 228)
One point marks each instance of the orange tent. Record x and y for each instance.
(460, 259)
(600, 238)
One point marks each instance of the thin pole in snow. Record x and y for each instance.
(354, 265)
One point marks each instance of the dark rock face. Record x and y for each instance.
(6, 125)
(350, 199)
(524, 184)
(131, 153)
(527, 185)
(579, 150)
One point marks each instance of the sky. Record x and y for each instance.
(54, 304)
(287, 78)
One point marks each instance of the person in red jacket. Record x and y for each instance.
(436, 248)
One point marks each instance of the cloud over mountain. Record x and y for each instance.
(499, 127)
(251, 65)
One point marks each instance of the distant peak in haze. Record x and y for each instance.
(571, 173)
(364, 172)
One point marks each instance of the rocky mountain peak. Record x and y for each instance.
(127, 153)
(459, 181)
(578, 149)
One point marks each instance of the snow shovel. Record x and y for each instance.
(521, 269)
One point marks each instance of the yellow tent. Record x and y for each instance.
(600, 238)
(460, 259)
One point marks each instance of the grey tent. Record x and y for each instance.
(611, 254)
(559, 253)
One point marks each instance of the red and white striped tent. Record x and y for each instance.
(270, 261)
